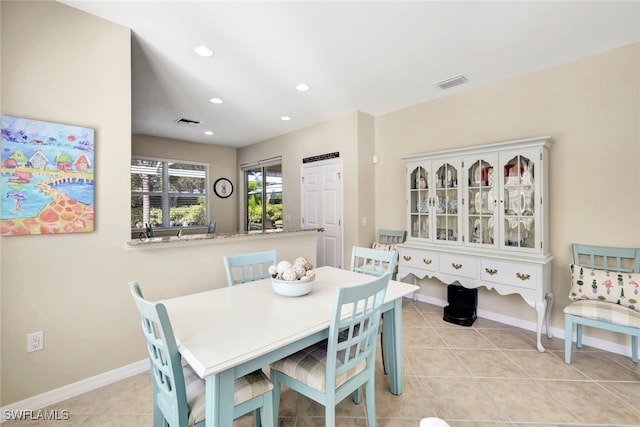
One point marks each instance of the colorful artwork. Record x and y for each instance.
(47, 178)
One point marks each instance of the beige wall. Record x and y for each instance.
(64, 66)
(591, 107)
(222, 163)
(352, 136)
(366, 219)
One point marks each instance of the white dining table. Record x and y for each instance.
(228, 332)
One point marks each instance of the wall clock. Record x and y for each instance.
(223, 187)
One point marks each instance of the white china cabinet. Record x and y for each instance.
(479, 216)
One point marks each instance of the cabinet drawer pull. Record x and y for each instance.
(406, 257)
(456, 265)
(426, 261)
(522, 276)
(491, 271)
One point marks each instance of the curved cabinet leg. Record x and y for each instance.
(415, 294)
(540, 309)
(549, 298)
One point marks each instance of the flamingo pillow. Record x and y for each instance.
(603, 285)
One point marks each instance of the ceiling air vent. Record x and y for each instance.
(450, 82)
(182, 120)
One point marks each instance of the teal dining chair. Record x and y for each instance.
(248, 267)
(178, 392)
(329, 371)
(391, 237)
(375, 262)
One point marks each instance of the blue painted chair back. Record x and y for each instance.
(374, 262)
(169, 393)
(391, 237)
(352, 340)
(248, 267)
(625, 260)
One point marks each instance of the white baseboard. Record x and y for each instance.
(531, 326)
(75, 389)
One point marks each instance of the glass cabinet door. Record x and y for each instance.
(420, 201)
(519, 195)
(446, 203)
(482, 199)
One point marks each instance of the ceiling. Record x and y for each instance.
(374, 57)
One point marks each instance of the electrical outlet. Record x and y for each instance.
(35, 341)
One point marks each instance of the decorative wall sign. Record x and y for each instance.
(320, 157)
(223, 187)
(47, 177)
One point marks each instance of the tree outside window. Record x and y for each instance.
(168, 193)
(263, 197)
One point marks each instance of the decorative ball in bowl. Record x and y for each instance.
(292, 279)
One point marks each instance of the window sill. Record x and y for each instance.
(202, 239)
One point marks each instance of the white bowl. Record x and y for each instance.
(294, 288)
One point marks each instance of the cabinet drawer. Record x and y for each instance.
(459, 265)
(509, 273)
(416, 258)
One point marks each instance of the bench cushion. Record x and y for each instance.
(604, 311)
(251, 385)
(602, 285)
(385, 265)
(384, 246)
(309, 366)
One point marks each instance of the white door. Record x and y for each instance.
(322, 208)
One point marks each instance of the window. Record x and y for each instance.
(263, 195)
(168, 193)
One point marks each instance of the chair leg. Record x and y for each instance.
(370, 401)
(158, 418)
(266, 412)
(634, 349)
(257, 417)
(568, 334)
(578, 335)
(385, 355)
(357, 396)
(159, 421)
(330, 414)
(275, 396)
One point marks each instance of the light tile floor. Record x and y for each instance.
(489, 374)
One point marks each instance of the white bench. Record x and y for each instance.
(604, 288)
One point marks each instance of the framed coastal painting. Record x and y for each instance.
(47, 178)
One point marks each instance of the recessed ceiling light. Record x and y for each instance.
(285, 118)
(302, 87)
(208, 132)
(216, 100)
(203, 51)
